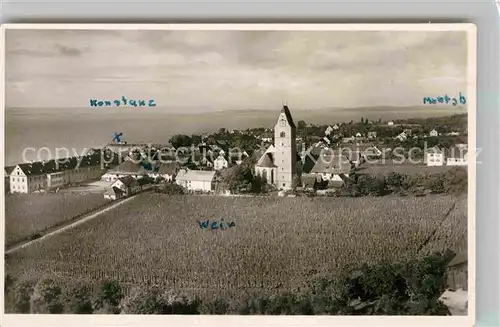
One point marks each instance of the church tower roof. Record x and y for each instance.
(288, 116)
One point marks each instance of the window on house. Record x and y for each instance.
(18, 173)
(283, 184)
(282, 134)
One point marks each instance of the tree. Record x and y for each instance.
(8, 283)
(301, 124)
(145, 180)
(237, 177)
(21, 297)
(371, 185)
(78, 300)
(217, 307)
(180, 140)
(108, 297)
(153, 300)
(46, 297)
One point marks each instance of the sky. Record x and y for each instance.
(225, 70)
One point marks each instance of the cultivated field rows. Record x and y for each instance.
(276, 243)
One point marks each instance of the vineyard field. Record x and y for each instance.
(28, 214)
(276, 243)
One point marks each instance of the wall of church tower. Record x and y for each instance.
(286, 153)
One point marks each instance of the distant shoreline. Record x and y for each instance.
(190, 110)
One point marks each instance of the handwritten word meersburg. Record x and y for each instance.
(124, 101)
(445, 99)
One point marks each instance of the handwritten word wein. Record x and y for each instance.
(123, 101)
(445, 99)
(215, 225)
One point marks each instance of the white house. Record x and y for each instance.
(335, 127)
(434, 157)
(266, 137)
(401, 137)
(27, 178)
(457, 157)
(166, 170)
(126, 168)
(328, 130)
(220, 162)
(372, 135)
(358, 134)
(433, 133)
(124, 186)
(331, 167)
(239, 159)
(391, 123)
(37, 176)
(196, 180)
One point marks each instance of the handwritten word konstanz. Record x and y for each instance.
(123, 101)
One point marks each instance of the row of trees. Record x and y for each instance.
(402, 288)
(453, 181)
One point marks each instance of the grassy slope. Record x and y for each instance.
(28, 214)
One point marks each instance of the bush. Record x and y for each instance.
(217, 307)
(456, 181)
(152, 300)
(108, 297)
(78, 300)
(21, 297)
(283, 304)
(397, 289)
(8, 283)
(171, 189)
(46, 297)
(141, 301)
(372, 185)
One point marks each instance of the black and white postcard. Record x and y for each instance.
(231, 172)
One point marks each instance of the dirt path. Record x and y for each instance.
(66, 227)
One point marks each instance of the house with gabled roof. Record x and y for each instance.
(433, 133)
(166, 170)
(42, 175)
(401, 137)
(196, 180)
(456, 156)
(126, 168)
(220, 162)
(329, 130)
(434, 157)
(331, 167)
(122, 187)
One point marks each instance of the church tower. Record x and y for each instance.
(285, 157)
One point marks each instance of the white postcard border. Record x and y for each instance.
(160, 320)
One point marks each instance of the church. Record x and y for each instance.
(280, 165)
